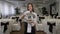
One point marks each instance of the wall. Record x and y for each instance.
(58, 7)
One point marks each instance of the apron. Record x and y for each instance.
(29, 29)
(32, 29)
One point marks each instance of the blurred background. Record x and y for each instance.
(45, 9)
(17, 7)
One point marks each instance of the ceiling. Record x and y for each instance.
(33, 1)
(15, 0)
(22, 2)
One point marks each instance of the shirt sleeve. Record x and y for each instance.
(25, 13)
(35, 19)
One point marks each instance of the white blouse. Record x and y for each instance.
(30, 15)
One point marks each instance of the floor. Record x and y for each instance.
(22, 31)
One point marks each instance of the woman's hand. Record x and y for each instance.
(30, 21)
(35, 23)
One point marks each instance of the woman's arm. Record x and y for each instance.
(35, 19)
(22, 16)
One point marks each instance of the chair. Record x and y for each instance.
(16, 25)
(49, 26)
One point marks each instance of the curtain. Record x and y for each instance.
(6, 8)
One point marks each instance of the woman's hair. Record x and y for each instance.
(28, 6)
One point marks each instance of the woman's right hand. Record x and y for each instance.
(30, 21)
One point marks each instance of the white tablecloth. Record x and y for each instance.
(56, 29)
(11, 22)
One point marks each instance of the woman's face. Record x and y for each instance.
(30, 7)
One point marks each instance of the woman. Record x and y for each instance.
(30, 19)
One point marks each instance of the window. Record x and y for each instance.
(6, 9)
(12, 10)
